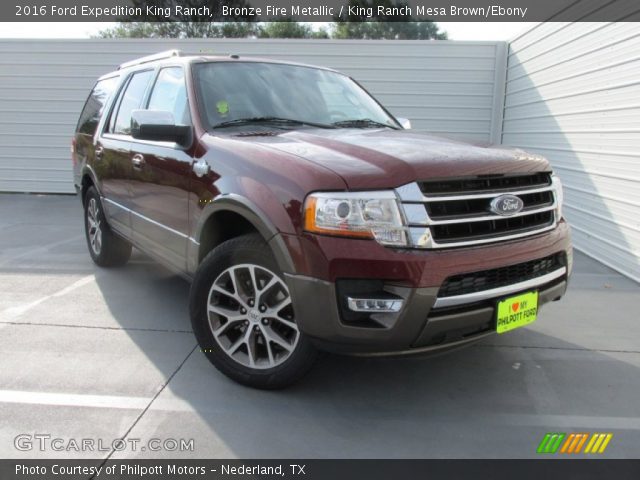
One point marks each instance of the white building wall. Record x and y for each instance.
(573, 95)
(450, 88)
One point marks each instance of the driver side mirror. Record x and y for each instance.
(159, 126)
(404, 122)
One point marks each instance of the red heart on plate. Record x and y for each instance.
(515, 306)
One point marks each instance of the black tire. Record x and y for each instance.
(112, 250)
(238, 253)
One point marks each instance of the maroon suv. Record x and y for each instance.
(307, 217)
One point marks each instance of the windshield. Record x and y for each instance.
(231, 91)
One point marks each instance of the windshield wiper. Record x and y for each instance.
(362, 123)
(283, 121)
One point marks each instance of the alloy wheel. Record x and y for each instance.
(251, 316)
(93, 226)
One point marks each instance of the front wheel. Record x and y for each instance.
(242, 315)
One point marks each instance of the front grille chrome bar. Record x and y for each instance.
(482, 218)
(472, 196)
(421, 238)
(474, 297)
(422, 226)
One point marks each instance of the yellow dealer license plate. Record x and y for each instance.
(516, 312)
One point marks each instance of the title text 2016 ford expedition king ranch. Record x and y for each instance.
(308, 217)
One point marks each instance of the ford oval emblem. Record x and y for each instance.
(506, 205)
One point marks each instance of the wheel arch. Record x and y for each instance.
(88, 179)
(230, 216)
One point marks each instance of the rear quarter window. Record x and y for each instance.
(94, 106)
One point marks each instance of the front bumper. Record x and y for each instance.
(426, 322)
(419, 326)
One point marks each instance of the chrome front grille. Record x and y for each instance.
(491, 183)
(456, 212)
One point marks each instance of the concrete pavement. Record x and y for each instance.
(101, 354)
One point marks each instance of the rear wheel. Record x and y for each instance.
(243, 318)
(105, 247)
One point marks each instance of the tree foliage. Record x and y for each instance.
(388, 31)
(348, 26)
(155, 25)
(340, 30)
(280, 29)
(387, 27)
(181, 30)
(290, 29)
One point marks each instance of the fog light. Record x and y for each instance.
(374, 305)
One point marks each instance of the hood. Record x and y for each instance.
(384, 158)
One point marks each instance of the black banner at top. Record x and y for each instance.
(319, 10)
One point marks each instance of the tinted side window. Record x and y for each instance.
(94, 106)
(170, 95)
(131, 100)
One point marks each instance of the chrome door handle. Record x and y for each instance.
(99, 152)
(138, 161)
(201, 168)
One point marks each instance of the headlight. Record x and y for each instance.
(557, 186)
(356, 214)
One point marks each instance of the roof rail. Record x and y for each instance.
(151, 58)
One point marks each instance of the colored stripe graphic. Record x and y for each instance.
(598, 443)
(581, 443)
(574, 443)
(551, 442)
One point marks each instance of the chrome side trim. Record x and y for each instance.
(498, 292)
(139, 215)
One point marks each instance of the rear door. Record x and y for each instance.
(112, 152)
(161, 176)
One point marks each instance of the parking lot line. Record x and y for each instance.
(13, 312)
(6, 259)
(72, 400)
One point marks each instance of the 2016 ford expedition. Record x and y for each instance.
(308, 217)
